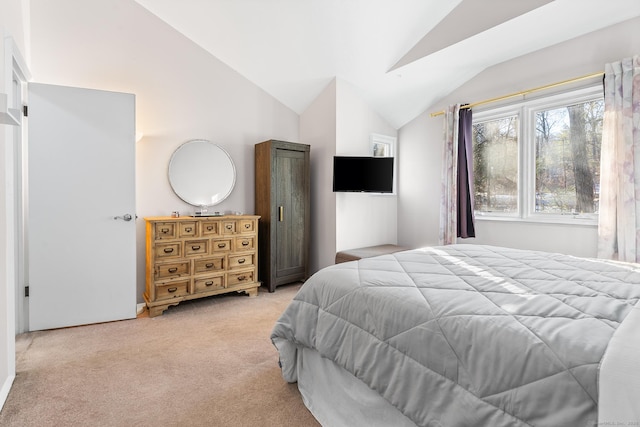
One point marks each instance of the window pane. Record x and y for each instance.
(568, 158)
(495, 165)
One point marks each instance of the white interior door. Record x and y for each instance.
(81, 175)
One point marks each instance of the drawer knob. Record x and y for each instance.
(245, 243)
(195, 248)
(173, 269)
(188, 229)
(222, 245)
(171, 290)
(209, 283)
(229, 226)
(164, 230)
(247, 226)
(209, 227)
(168, 250)
(241, 261)
(209, 265)
(241, 278)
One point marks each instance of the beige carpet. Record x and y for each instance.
(206, 362)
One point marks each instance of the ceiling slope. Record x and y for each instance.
(463, 23)
(402, 56)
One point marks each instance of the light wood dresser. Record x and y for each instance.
(195, 257)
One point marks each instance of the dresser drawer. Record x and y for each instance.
(174, 269)
(196, 247)
(168, 250)
(220, 245)
(172, 290)
(165, 230)
(211, 283)
(188, 228)
(210, 228)
(246, 226)
(208, 265)
(245, 243)
(245, 260)
(240, 277)
(191, 257)
(229, 227)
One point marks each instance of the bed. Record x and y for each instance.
(466, 335)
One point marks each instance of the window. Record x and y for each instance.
(495, 164)
(382, 145)
(540, 159)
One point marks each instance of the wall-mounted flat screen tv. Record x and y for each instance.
(363, 174)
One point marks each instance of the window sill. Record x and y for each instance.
(570, 220)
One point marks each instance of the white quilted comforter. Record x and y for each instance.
(467, 335)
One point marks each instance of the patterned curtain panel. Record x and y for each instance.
(448, 211)
(619, 214)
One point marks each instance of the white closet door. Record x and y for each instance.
(81, 175)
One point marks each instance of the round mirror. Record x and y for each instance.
(201, 173)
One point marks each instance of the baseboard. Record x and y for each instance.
(4, 391)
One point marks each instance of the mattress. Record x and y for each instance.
(466, 335)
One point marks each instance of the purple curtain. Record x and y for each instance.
(465, 223)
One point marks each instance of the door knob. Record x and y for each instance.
(125, 217)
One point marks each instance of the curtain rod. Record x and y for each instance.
(525, 92)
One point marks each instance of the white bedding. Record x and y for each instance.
(619, 388)
(469, 335)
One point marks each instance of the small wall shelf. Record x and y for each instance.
(8, 116)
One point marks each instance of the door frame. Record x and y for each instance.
(15, 68)
(20, 79)
(17, 79)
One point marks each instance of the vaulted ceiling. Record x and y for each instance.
(402, 56)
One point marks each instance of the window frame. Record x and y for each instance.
(390, 142)
(497, 114)
(525, 110)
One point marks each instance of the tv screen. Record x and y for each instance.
(363, 174)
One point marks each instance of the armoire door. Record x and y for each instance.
(290, 183)
(282, 196)
(81, 206)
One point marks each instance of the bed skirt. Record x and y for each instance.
(338, 399)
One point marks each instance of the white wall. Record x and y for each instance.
(182, 93)
(7, 256)
(419, 181)
(13, 23)
(421, 141)
(361, 219)
(340, 122)
(318, 128)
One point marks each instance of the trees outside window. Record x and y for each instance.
(568, 158)
(495, 165)
(540, 159)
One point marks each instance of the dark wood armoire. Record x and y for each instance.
(282, 174)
